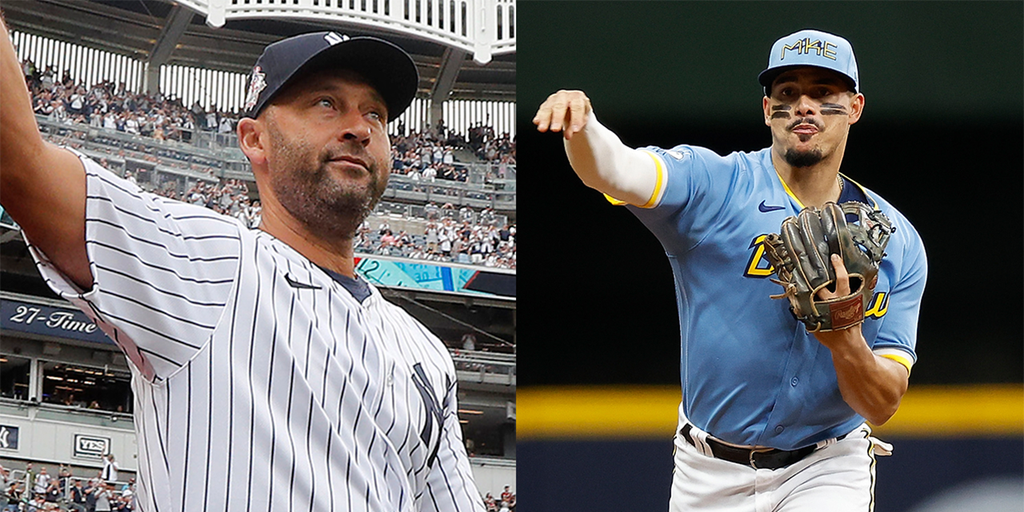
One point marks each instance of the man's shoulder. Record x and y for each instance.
(710, 157)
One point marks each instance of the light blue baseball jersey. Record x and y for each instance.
(751, 373)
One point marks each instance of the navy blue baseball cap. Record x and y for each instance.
(811, 48)
(388, 68)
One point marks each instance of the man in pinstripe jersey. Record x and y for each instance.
(267, 375)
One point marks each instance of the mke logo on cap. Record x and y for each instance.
(805, 46)
(257, 83)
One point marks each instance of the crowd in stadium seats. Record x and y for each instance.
(506, 502)
(446, 239)
(425, 156)
(228, 197)
(112, 106)
(35, 490)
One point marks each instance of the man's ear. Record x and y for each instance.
(251, 141)
(856, 107)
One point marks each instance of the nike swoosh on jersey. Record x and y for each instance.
(765, 208)
(297, 284)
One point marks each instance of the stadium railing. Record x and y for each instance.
(481, 27)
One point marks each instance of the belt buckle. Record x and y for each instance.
(756, 451)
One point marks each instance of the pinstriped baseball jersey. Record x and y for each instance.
(261, 383)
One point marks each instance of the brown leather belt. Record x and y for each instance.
(757, 458)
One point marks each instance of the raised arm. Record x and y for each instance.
(41, 186)
(597, 155)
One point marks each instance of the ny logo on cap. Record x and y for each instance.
(333, 38)
(822, 48)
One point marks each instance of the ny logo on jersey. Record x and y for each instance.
(433, 410)
(759, 267)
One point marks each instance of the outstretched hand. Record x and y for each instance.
(564, 111)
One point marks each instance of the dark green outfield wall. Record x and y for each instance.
(680, 61)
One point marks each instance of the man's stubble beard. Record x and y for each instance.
(329, 207)
(803, 158)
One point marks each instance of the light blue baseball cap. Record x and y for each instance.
(811, 48)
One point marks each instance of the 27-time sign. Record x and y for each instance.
(53, 321)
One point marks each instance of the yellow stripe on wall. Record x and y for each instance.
(596, 411)
(959, 411)
(650, 412)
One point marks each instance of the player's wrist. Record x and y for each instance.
(845, 341)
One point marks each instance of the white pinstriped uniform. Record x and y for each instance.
(260, 382)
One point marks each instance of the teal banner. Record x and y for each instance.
(437, 277)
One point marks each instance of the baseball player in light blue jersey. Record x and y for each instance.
(772, 417)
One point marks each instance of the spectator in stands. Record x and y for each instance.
(13, 494)
(4, 484)
(53, 494)
(109, 469)
(225, 126)
(431, 237)
(91, 493)
(64, 478)
(489, 502)
(445, 242)
(430, 174)
(126, 502)
(30, 477)
(28, 68)
(46, 79)
(469, 341)
(77, 497)
(129, 486)
(386, 240)
(42, 482)
(35, 504)
(103, 496)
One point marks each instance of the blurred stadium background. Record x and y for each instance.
(940, 139)
(153, 88)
